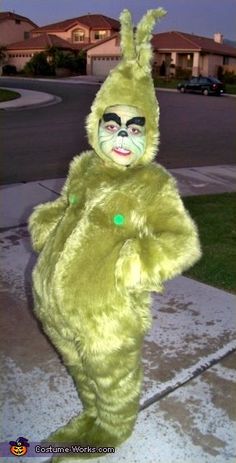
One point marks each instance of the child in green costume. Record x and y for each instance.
(116, 233)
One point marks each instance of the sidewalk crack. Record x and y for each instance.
(191, 374)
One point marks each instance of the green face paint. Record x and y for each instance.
(122, 134)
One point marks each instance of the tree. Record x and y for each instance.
(163, 68)
(3, 55)
(74, 62)
(38, 65)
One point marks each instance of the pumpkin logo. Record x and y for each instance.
(19, 447)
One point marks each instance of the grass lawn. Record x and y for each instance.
(6, 95)
(164, 83)
(215, 216)
(230, 88)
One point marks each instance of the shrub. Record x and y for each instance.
(220, 73)
(162, 69)
(9, 70)
(74, 62)
(54, 60)
(183, 73)
(63, 60)
(38, 65)
(229, 77)
(78, 63)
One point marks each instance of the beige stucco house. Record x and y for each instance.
(20, 53)
(72, 34)
(104, 56)
(14, 27)
(199, 55)
(85, 30)
(98, 36)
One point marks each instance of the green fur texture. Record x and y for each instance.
(94, 274)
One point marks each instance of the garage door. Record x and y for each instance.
(101, 65)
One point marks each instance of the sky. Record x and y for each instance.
(200, 17)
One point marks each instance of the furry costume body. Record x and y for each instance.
(115, 234)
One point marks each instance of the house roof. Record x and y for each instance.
(182, 41)
(100, 42)
(94, 21)
(41, 42)
(6, 15)
(169, 41)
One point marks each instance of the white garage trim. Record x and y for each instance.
(101, 65)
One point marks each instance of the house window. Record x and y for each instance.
(99, 35)
(225, 59)
(26, 35)
(17, 21)
(78, 35)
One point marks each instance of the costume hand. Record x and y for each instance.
(128, 267)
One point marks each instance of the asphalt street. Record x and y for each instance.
(39, 143)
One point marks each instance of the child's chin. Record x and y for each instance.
(122, 160)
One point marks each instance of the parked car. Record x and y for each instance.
(203, 85)
(9, 70)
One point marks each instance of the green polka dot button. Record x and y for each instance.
(73, 199)
(119, 220)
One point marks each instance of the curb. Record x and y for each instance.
(52, 101)
(29, 99)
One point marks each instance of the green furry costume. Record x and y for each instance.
(116, 233)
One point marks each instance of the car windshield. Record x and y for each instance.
(213, 79)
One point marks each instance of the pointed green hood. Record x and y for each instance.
(130, 83)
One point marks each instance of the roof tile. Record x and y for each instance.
(5, 15)
(183, 41)
(95, 21)
(43, 41)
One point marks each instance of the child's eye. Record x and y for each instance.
(134, 131)
(111, 128)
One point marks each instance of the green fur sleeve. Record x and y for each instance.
(44, 219)
(169, 247)
(46, 216)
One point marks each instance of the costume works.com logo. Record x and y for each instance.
(19, 447)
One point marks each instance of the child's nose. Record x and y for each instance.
(122, 133)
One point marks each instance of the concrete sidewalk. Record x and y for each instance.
(191, 181)
(29, 99)
(187, 410)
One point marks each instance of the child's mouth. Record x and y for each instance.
(122, 151)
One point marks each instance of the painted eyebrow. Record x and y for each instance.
(112, 117)
(136, 121)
